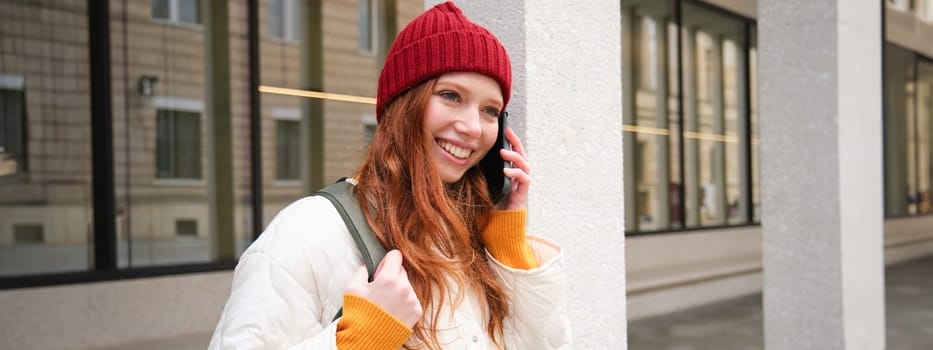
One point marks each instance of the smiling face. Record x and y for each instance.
(461, 121)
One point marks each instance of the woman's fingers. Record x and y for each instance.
(517, 174)
(517, 145)
(391, 261)
(390, 289)
(518, 161)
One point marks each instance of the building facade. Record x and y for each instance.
(692, 124)
(165, 141)
(194, 84)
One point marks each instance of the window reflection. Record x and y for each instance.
(315, 132)
(718, 118)
(165, 145)
(649, 72)
(924, 135)
(900, 183)
(366, 21)
(712, 183)
(178, 11)
(45, 139)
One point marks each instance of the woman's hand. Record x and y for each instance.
(390, 289)
(519, 173)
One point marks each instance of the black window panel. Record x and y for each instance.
(178, 145)
(160, 9)
(12, 135)
(287, 150)
(189, 11)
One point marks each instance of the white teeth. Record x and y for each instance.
(456, 151)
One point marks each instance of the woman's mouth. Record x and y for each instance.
(454, 150)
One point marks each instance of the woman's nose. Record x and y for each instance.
(468, 124)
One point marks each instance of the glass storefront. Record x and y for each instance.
(908, 121)
(690, 145)
(181, 112)
(45, 144)
(181, 122)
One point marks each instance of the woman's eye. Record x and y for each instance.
(492, 111)
(448, 95)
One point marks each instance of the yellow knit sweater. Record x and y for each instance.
(366, 326)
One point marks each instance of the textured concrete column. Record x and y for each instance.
(567, 106)
(820, 79)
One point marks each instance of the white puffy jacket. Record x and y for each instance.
(289, 284)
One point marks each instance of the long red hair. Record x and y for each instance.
(435, 225)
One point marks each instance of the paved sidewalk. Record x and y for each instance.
(737, 323)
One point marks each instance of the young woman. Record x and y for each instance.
(460, 273)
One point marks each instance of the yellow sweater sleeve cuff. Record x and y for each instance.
(505, 239)
(366, 326)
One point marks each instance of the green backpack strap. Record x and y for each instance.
(341, 196)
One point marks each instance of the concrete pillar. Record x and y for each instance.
(820, 78)
(567, 106)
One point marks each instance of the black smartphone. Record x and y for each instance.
(492, 164)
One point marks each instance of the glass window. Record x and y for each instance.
(45, 139)
(287, 150)
(284, 21)
(178, 145)
(716, 120)
(707, 179)
(899, 87)
(318, 98)
(180, 133)
(908, 128)
(12, 130)
(651, 117)
(924, 137)
(181, 126)
(366, 25)
(181, 11)
(189, 11)
(161, 10)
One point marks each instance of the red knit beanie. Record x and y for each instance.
(441, 40)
